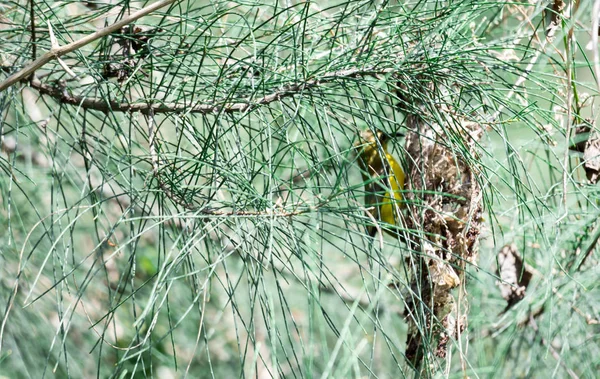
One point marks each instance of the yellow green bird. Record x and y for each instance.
(383, 177)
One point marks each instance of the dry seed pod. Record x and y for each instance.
(514, 275)
(587, 141)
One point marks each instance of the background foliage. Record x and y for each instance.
(190, 202)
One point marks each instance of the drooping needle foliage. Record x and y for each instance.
(182, 194)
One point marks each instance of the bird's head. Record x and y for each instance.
(371, 146)
(370, 141)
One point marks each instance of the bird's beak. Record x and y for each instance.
(393, 135)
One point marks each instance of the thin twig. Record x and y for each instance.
(595, 32)
(553, 351)
(591, 247)
(569, 124)
(523, 78)
(32, 21)
(55, 53)
(102, 105)
(589, 319)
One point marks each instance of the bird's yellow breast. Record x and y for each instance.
(383, 195)
(393, 198)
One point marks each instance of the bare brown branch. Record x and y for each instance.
(61, 94)
(33, 39)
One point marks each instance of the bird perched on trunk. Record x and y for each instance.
(383, 177)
